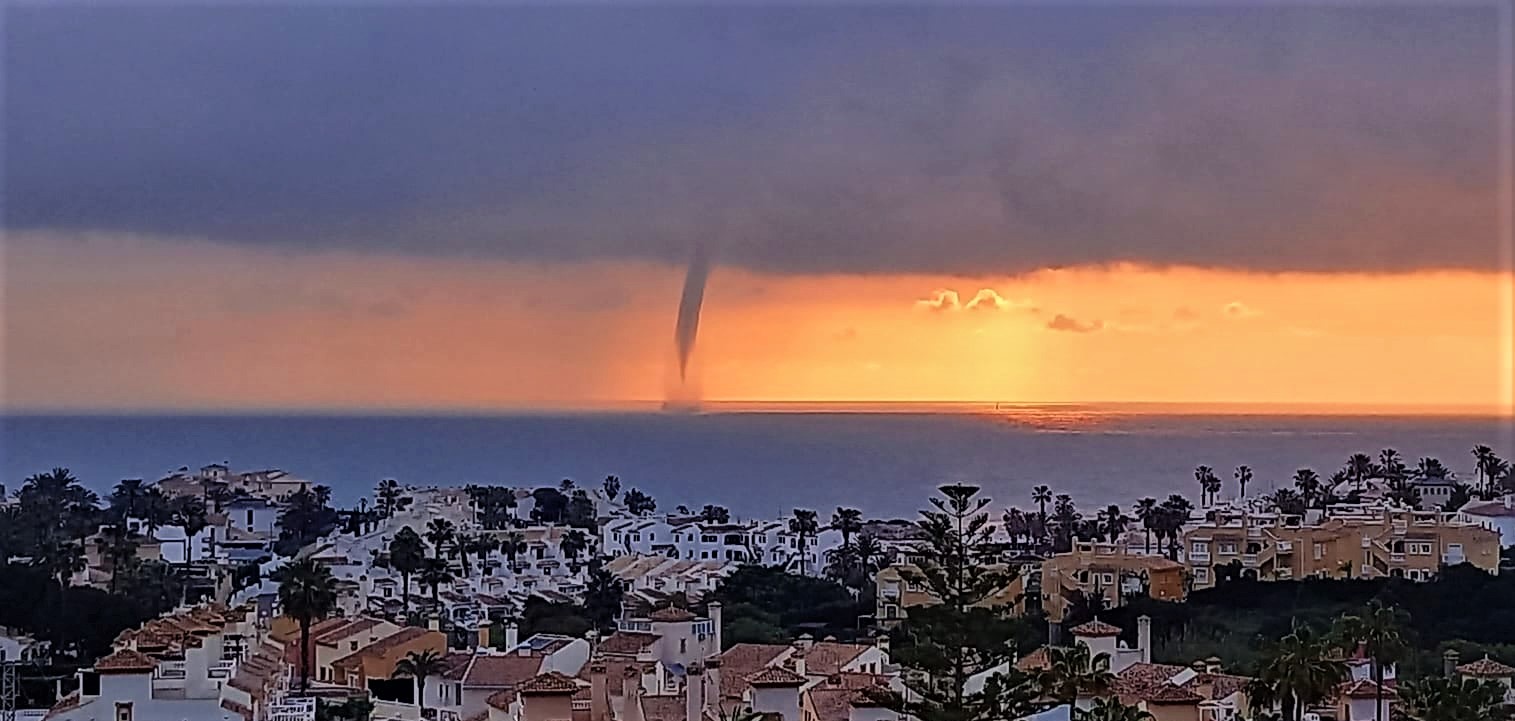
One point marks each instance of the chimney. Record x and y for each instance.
(694, 692)
(1212, 664)
(1144, 637)
(482, 640)
(713, 686)
(799, 661)
(882, 642)
(599, 694)
(713, 610)
(434, 623)
(1509, 500)
(1449, 663)
(512, 635)
(632, 711)
(805, 642)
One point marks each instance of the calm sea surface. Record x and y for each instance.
(756, 463)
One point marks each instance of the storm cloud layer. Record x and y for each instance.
(839, 139)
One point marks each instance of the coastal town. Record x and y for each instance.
(218, 594)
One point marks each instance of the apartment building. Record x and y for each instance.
(1110, 570)
(1351, 542)
(902, 587)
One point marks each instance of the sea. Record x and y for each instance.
(760, 460)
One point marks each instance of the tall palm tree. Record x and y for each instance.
(126, 495)
(434, 573)
(407, 554)
(387, 497)
(1243, 477)
(1377, 631)
(1041, 496)
(1431, 468)
(1202, 475)
(1146, 510)
(1483, 457)
(440, 533)
(1308, 483)
(1111, 709)
(1301, 670)
(867, 551)
(307, 593)
(513, 545)
(420, 665)
(848, 521)
(119, 548)
(804, 526)
(1391, 465)
(1073, 672)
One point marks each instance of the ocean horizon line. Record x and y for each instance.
(730, 406)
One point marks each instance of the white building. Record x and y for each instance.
(1497, 515)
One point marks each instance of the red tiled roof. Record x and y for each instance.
(1167, 693)
(1364, 689)
(1133, 682)
(1096, 629)
(1486, 668)
(331, 637)
(551, 682)
(125, 661)
(454, 665)
(382, 646)
(502, 671)
(236, 708)
(854, 680)
(67, 703)
(828, 657)
(671, 614)
(1035, 661)
(742, 660)
(627, 642)
(776, 676)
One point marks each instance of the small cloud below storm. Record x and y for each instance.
(946, 299)
(1072, 325)
(941, 300)
(1185, 313)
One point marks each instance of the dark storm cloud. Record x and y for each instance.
(839, 139)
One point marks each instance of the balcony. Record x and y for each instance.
(1396, 558)
(1249, 560)
(1285, 546)
(1200, 557)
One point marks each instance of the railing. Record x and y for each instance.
(1396, 558)
(581, 705)
(171, 670)
(1285, 546)
(293, 709)
(1249, 560)
(222, 669)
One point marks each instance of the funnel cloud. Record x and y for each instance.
(689, 307)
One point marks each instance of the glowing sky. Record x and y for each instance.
(450, 207)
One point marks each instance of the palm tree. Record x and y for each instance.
(1439, 699)
(126, 495)
(119, 548)
(1308, 483)
(1243, 477)
(307, 593)
(1111, 709)
(407, 552)
(387, 497)
(434, 573)
(1483, 457)
(420, 666)
(1112, 522)
(1203, 475)
(1065, 520)
(1391, 465)
(1146, 513)
(1074, 672)
(804, 526)
(1377, 632)
(514, 543)
(867, 551)
(1041, 496)
(1300, 671)
(574, 543)
(1431, 468)
(1359, 468)
(848, 521)
(440, 533)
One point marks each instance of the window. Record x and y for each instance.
(652, 536)
(123, 711)
(1107, 578)
(1200, 548)
(1083, 576)
(249, 519)
(1454, 549)
(353, 645)
(1201, 575)
(1420, 548)
(683, 645)
(1227, 548)
(1320, 551)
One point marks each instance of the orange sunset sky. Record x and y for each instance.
(493, 207)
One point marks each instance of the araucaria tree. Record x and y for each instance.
(953, 640)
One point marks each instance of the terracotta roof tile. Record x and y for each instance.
(236, 708)
(743, 660)
(775, 676)
(1167, 693)
(671, 614)
(1096, 629)
(1035, 661)
(381, 646)
(1133, 682)
(1486, 668)
(551, 682)
(1364, 689)
(502, 699)
(828, 657)
(627, 642)
(125, 661)
(501, 671)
